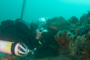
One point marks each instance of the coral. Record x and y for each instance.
(73, 48)
(82, 30)
(63, 38)
(73, 20)
(88, 14)
(57, 23)
(83, 45)
(83, 18)
(66, 39)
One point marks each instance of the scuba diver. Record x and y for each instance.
(46, 40)
(19, 35)
(40, 30)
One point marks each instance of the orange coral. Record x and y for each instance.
(53, 27)
(63, 41)
(86, 55)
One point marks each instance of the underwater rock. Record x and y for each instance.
(22, 21)
(6, 27)
(21, 26)
(82, 30)
(73, 20)
(57, 23)
(83, 19)
(6, 23)
(82, 47)
(73, 48)
(72, 31)
(88, 14)
(56, 19)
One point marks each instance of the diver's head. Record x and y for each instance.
(42, 21)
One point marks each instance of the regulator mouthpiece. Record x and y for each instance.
(21, 49)
(33, 51)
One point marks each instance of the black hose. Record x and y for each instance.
(23, 8)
